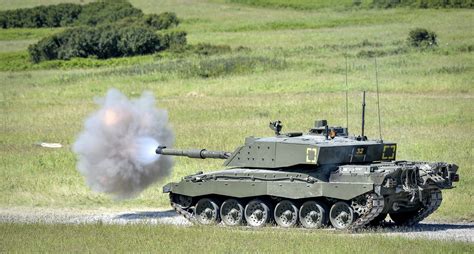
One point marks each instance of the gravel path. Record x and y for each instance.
(66, 216)
(461, 231)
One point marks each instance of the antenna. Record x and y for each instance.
(347, 100)
(378, 98)
(363, 115)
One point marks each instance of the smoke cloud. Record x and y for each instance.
(116, 149)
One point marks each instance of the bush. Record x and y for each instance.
(94, 13)
(138, 40)
(41, 16)
(421, 37)
(162, 21)
(175, 40)
(103, 42)
(45, 49)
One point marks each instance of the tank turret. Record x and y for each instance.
(323, 145)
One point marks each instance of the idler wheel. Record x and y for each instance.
(207, 211)
(313, 214)
(257, 213)
(286, 214)
(232, 212)
(341, 215)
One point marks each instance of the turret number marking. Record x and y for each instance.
(311, 155)
(360, 151)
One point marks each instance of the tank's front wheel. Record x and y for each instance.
(207, 211)
(232, 212)
(341, 215)
(257, 213)
(313, 214)
(286, 214)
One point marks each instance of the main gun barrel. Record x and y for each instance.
(193, 153)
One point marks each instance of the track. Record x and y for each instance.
(462, 231)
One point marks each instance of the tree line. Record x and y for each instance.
(61, 15)
(103, 29)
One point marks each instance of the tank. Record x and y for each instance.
(320, 178)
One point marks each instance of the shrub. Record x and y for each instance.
(41, 16)
(421, 37)
(175, 40)
(103, 42)
(138, 40)
(76, 42)
(45, 49)
(94, 13)
(161, 21)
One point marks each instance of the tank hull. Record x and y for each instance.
(350, 196)
(244, 183)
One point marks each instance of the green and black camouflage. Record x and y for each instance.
(320, 178)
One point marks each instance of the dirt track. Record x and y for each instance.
(431, 230)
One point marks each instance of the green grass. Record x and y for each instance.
(165, 239)
(427, 96)
(20, 61)
(26, 33)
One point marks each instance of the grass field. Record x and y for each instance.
(166, 239)
(296, 75)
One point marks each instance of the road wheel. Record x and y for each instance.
(257, 213)
(286, 214)
(232, 212)
(341, 215)
(313, 214)
(207, 211)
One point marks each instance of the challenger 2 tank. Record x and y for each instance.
(321, 178)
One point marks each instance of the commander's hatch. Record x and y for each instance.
(321, 128)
